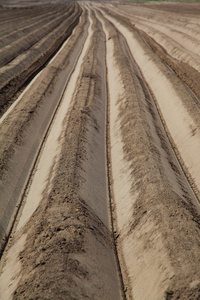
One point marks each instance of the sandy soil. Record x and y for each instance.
(108, 207)
(38, 34)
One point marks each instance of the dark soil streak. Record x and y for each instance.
(36, 61)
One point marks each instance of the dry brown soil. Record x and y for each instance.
(99, 156)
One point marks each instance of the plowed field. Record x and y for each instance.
(99, 151)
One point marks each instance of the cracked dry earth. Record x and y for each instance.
(99, 151)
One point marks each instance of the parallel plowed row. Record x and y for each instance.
(183, 82)
(151, 197)
(10, 27)
(179, 39)
(73, 232)
(25, 125)
(33, 51)
(18, 43)
(109, 191)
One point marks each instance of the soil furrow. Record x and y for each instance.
(170, 44)
(157, 188)
(186, 113)
(99, 182)
(23, 127)
(73, 227)
(27, 26)
(13, 49)
(22, 72)
(178, 48)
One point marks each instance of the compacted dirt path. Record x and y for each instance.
(100, 185)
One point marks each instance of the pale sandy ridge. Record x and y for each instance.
(180, 122)
(110, 146)
(162, 31)
(86, 242)
(23, 128)
(43, 176)
(148, 269)
(45, 170)
(148, 284)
